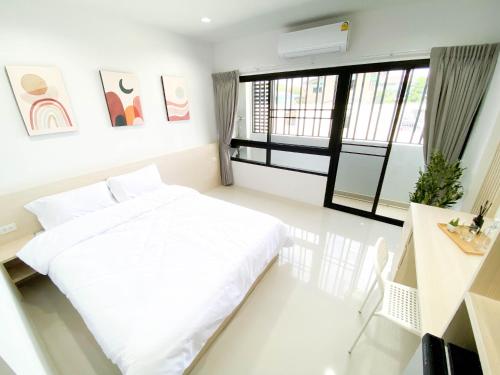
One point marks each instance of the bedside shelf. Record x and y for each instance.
(484, 315)
(17, 270)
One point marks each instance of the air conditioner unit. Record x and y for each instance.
(314, 41)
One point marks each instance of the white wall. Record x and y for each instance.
(298, 186)
(407, 27)
(374, 35)
(81, 43)
(18, 344)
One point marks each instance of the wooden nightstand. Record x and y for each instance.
(17, 270)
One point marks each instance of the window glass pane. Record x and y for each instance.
(299, 111)
(411, 121)
(357, 179)
(295, 160)
(252, 114)
(372, 105)
(404, 163)
(301, 108)
(324, 128)
(281, 87)
(249, 153)
(310, 94)
(295, 92)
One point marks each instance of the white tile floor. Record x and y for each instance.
(300, 319)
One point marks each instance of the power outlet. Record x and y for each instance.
(8, 228)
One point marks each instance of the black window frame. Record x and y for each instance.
(344, 74)
(338, 119)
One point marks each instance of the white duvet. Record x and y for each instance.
(155, 276)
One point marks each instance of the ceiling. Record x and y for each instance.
(230, 18)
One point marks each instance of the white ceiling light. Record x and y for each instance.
(206, 20)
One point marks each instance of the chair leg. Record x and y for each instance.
(367, 296)
(364, 327)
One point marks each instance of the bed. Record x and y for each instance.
(156, 276)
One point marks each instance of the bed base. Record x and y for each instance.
(228, 319)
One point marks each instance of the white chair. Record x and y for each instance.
(399, 302)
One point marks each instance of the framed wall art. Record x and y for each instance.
(123, 97)
(42, 99)
(176, 100)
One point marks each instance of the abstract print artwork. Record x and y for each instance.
(123, 98)
(175, 92)
(42, 99)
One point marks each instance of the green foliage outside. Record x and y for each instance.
(417, 89)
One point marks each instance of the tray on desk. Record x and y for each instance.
(467, 247)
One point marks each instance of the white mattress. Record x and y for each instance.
(155, 276)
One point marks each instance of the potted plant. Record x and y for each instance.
(453, 225)
(440, 184)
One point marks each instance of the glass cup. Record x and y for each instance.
(471, 233)
(483, 242)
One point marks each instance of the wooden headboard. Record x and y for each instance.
(197, 168)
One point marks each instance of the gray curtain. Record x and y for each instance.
(226, 103)
(458, 79)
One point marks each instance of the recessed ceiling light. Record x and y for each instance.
(206, 20)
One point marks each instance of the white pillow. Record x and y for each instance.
(131, 185)
(59, 208)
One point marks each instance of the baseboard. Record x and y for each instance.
(362, 197)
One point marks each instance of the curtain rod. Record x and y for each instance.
(422, 53)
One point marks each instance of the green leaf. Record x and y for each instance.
(440, 184)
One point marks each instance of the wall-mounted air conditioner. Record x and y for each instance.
(314, 41)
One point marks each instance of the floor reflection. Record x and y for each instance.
(305, 235)
(341, 266)
(310, 300)
(300, 258)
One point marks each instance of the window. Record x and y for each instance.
(294, 160)
(372, 105)
(411, 122)
(252, 154)
(294, 120)
(303, 106)
(260, 106)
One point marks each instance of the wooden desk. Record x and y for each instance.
(443, 272)
(17, 270)
(459, 294)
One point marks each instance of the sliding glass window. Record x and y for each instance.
(372, 105)
(293, 115)
(309, 121)
(301, 110)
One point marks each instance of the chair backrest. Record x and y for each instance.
(381, 260)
